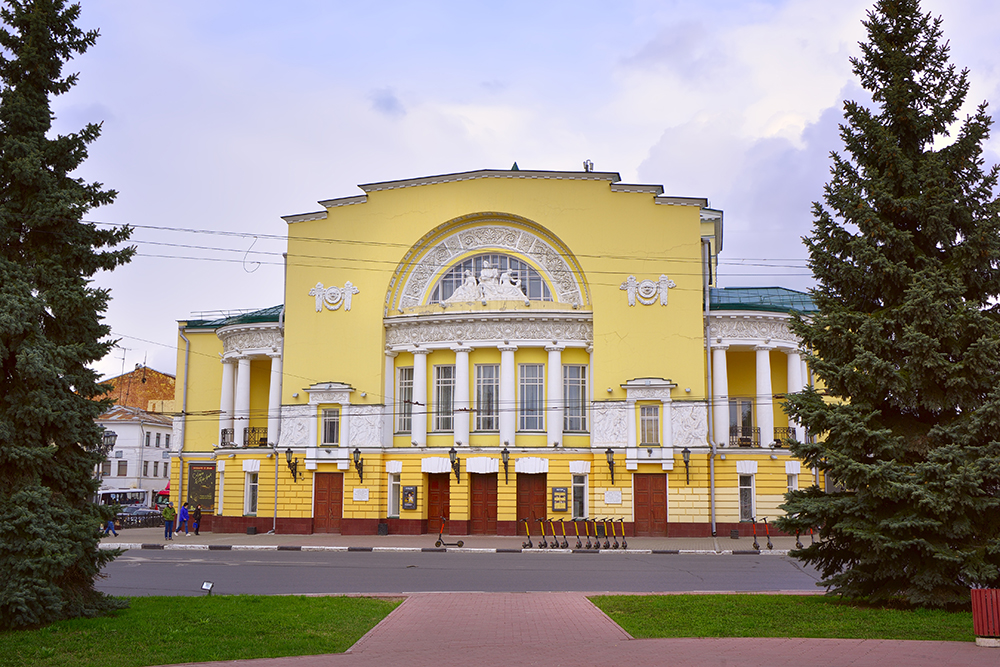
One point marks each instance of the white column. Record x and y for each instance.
(795, 386)
(388, 399)
(720, 395)
(345, 424)
(668, 428)
(226, 403)
(508, 394)
(554, 395)
(630, 418)
(765, 397)
(241, 416)
(420, 412)
(274, 401)
(463, 406)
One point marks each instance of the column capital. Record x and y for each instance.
(720, 346)
(506, 347)
(421, 350)
(461, 348)
(763, 348)
(392, 354)
(555, 348)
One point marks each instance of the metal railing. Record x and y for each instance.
(744, 436)
(255, 436)
(227, 437)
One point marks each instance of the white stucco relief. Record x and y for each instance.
(366, 425)
(295, 425)
(236, 340)
(333, 297)
(753, 328)
(690, 424)
(610, 426)
(647, 291)
(516, 327)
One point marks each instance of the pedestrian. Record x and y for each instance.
(182, 520)
(169, 514)
(196, 517)
(110, 527)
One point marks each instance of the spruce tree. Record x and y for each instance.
(50, 328)
(906, 342)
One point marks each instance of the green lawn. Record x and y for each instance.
(649, 616)
(166, 630)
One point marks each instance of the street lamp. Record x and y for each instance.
(505, 455)
(456, 463)
(686, 454)
(610, 455)
(359, 465)
(293, 465)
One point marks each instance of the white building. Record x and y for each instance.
(140, 458)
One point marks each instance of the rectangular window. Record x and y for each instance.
(793, 482)
(404, 401)
(530, 408)
(145, 468)
(250, 495)
(166, 469)
(147, 438)
(444, 398)
(746, 498)
(156, 468)
(741, 428)
(166, 441)
(488, 397)
(649, 424)
(579, 496)
(106, 468)
(331, 427)
(123, 468)
(158, 439)
(393, 495)
(574, 398)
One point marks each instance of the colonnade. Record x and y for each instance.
(234, 403)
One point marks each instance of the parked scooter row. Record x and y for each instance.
(608, 524)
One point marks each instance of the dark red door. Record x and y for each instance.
(484, 504)
(530, 501)
(438, 500)
(328, 503)
(650, 495)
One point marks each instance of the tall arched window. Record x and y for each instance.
(527, 279)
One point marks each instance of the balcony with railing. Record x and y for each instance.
(744, 436)
(253, 436)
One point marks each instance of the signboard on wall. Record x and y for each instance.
(201, 486)
(409, 497)
(560, 499)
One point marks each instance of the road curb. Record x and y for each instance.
(126, 546)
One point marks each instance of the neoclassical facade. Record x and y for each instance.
(489, 348)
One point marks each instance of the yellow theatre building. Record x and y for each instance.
(491, 347)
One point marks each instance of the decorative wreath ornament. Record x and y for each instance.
(334, 297)
(647, 291)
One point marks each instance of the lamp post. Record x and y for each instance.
(108, 439)
(505, 456)
(293, 465)
(610, 455)
(359, 465)
(686, 454)
(456, 463)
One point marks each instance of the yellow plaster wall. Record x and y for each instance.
(204, 390)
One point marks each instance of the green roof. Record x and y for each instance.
(771, 299)
(271, 314)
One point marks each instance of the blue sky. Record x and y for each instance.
(223, 116)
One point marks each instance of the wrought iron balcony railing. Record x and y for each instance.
(744, 436)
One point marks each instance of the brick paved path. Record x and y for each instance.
(553, 629)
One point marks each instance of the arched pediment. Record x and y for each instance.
(447, 245)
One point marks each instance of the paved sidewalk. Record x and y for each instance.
(554, 629)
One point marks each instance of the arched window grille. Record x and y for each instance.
(532, 284)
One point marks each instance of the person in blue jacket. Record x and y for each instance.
(182, 520)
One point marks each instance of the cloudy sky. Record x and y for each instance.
(220, 117)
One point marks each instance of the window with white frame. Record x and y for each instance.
(393, 509)
(649, 424)
(531, 401)
(158, 439)
(444, 398)
(331, 426)
(746, 498)
(123, 468)
(250, 495)
(793, 481)
(404, 400)
(574, 398)
(166, 441)
(166, 469)
(106, 469)
(145, 468)
(487, 397)
(579, 496)
(148, 435)
(156, 468)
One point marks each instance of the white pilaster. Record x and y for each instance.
(630, 418)
(720, 395)
(420, 412)
(241, 416)
(765, 397)
(668, 429)
(508, 394)
(795, 386)
(554, 395)
(274, 401)
(463, 406)
(388, 399)
(226, 402)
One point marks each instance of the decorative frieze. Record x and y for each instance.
(295, 426)
(689, 422)
(246, 338)
(515, 327)
(773, 328)
(366, 425)
(610, 424)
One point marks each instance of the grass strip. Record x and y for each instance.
(169, 630)
(804, 616)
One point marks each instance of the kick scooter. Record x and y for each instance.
(576, 529)
(527, 531)
(624, 543)
(439, 542)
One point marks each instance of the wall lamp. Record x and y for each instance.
(505, 456)
(610, 454)
(686, 453)
(293, 465)
(456, 463)
(359, 465)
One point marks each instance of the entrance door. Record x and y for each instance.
(530, 501)
(650, 495)
(484, 504)
(328, 503)
(438, 500)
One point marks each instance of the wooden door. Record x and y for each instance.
(531, 503)
(328, 502)
(484, 504)
(438, 500)
(650, 495)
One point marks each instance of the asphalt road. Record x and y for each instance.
(147, 572)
